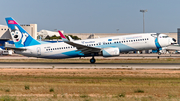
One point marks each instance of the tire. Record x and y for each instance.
(159, 53)
(92, 60)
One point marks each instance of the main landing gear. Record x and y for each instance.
(92, 60)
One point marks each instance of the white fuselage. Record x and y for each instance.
(125, 43)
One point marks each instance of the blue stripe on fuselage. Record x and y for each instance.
(68, 54)
(158, 46)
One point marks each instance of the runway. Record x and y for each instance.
(74, 65)
(90, 66)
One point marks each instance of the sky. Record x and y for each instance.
(94, 16)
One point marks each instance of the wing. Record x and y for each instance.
(83, 48)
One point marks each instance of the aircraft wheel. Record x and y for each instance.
(92, 60)
(159, 53)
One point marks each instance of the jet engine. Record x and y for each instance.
(109, 52)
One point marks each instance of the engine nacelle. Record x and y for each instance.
(109, 52)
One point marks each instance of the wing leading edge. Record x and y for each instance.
(83, 48)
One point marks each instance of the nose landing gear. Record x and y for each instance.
(159, 53)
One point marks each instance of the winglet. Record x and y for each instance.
(63, 37)
(70, 38)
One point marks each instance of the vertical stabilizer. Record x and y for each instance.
(20, 37)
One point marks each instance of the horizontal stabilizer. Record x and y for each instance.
(14, 48)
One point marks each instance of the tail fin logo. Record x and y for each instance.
(19, 37)
(12, 22)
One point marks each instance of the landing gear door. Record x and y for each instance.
(38, 51)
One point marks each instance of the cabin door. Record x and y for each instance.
(38, 51)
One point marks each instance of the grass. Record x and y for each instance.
(121, 95)
(84, 96)
(51, 90)
(7, 90)
(89, 84)
(26, 87)
(7, 98)
(139, 91)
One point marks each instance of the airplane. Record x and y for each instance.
(106, 47)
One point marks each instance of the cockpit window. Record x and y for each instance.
(154, 35)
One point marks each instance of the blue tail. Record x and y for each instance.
(20, 37)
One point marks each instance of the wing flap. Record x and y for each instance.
(83, 48)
